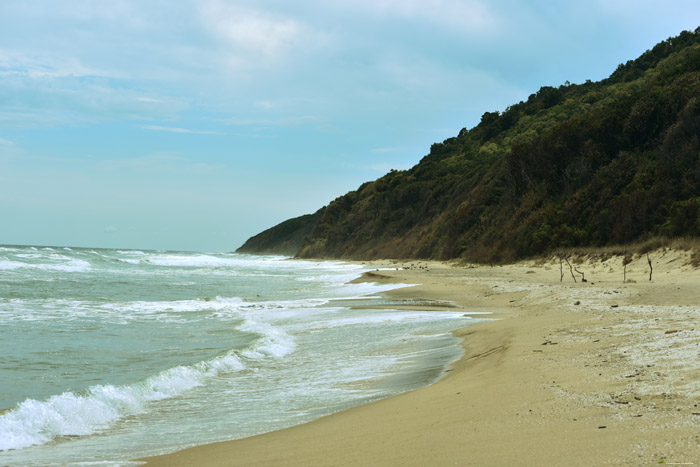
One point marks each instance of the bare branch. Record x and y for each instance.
(571, 269)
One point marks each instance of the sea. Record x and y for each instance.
(109, 355)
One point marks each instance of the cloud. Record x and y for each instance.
(110, 229)
(6, 142)
(35, 94)
(180, 130)
(466, 16)
(247, 30)
(43, 65)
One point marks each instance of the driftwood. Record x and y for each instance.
(583, 278)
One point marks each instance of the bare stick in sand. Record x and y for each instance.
(650, 268)
(571, 269)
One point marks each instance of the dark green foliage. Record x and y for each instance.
(578, 165)
(283, 239)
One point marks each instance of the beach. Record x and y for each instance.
(570, 373)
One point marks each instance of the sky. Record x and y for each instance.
(195, 124)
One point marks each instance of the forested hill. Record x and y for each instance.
(285, 238)
(590, 164)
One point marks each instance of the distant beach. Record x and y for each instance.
(571, 373)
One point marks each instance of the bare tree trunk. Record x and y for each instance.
(651, 270)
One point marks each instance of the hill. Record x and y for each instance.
(589, 164)
(285, 238)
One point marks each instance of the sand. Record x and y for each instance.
(595, 373)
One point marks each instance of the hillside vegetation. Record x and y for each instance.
(589, 164)
(285, 238)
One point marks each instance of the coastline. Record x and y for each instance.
(569, 374)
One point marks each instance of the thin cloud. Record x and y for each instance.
(285, 121)
(6, 142)
(37, 66)
(180, 130)
(468, 16)
(249, 30)
(383, 150)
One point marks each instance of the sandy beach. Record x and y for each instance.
(569, 373)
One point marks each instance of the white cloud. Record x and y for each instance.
(468, 16)
(43, 65)
(6, 142)
(248, 30)
(179, 130)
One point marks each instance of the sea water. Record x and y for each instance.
(110, 355)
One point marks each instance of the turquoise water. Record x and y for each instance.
(110, 355)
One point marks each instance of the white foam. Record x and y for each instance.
(389, 317)
(274, 343)
(7, 265)
(204, 261)
(73, 265)
(130, 261)
(100, 407)
(222, 308)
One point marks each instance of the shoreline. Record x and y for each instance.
(569, 374)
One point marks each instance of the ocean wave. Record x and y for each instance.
(132, 252)
(220, 308)
(72, 265)
(35, 422)
(8, 265)
(129, 260)
(201, 260)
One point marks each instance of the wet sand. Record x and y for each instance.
(570, 373)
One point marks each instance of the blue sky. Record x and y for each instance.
(195, 124)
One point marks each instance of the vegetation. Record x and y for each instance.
(592, 164)
(283, 239)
